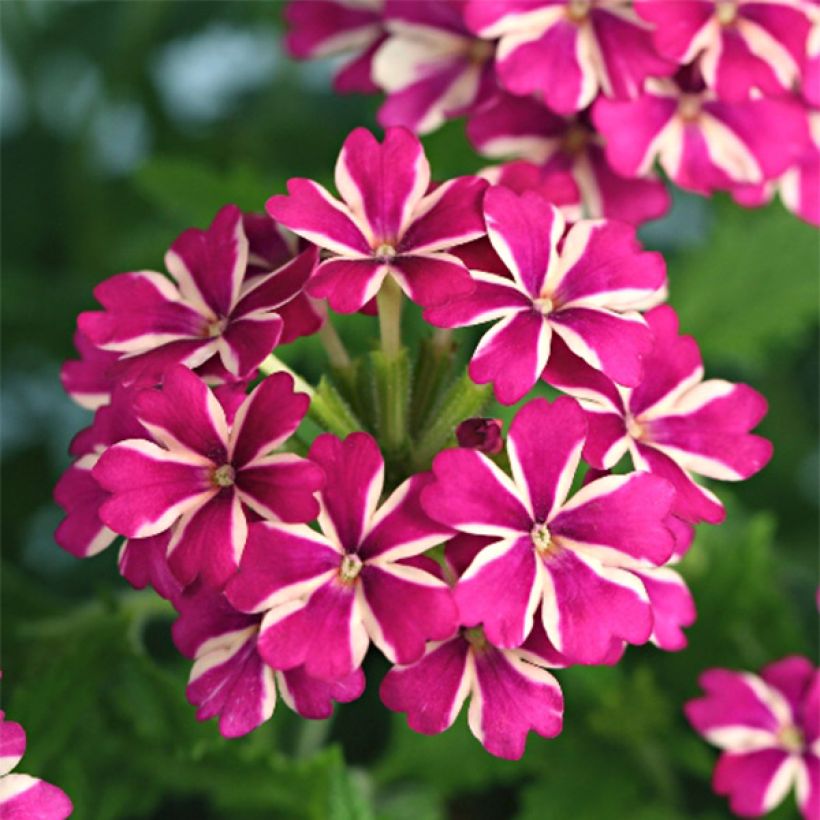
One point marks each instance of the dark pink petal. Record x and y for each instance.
(557, 186)
(324, 633)
(23, 797)
(325, 27)
(88, 381)
(512, 355)
(347, 284)
(808, 787)
(382, 183)
(449, 215)
(208, 541)
(407, 607)
(799, 187)
(675, 24)
(614, 343)
(501, 590)
(672, 607)
(354, 471)
(460, 551)
(209, 265)
(619, 519)
(401, 528)
(510, 699)
(792, 676)
(432, 279)
(472, 495)
(278, 287)
(754, 782)
(302, 317)
(267, 418)
(247, 341)
(281, 487)
(544, 445)
(142, 562)
(150, 487)
(484, 435)
(603, 266)
(692, 502)
(232, 682)
(12, 745)
(267, 247)
(310, 211)
(524, 231)
(280, 563)
(355, 76)
(432, 690)
(587, 604)
(313, 698)
(185, 415)
(81, 532)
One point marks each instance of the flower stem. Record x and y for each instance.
(389, 302)
(273, 364)
(334, 346)
(432, 366)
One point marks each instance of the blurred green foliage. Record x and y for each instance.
(124, 123)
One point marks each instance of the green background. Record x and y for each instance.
(123, 124)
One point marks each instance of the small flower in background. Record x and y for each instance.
(483, 435)
(23, 797)
(768, 728)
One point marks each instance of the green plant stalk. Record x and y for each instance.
(391, 386)
(329, 409)
(389, 301)
(462, 400)
(432, 367)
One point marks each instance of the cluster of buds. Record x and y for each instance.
(475, 565)
(585, 98)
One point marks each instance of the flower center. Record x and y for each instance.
(575, 140)
(475, 636)
(726, 12)
(385, 251)
(543, 304)
(577, 10)
(480, 50)
(215, 328)
(350, 568)
(634, 428)
(223, 476)
(541, 539)
(791, 738)
(689, 107)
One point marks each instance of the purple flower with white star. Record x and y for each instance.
(389, 223)
(229, 678)
(768, 728)
(587, 291)
(203, 476)
(672, 423)
(327, 595)
(210, 314)
(570, 557)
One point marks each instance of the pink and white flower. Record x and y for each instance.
(329, 28)
(768, 728)
(327, 595)
(740, 46)
(90, 379)
(521, 127)
(23, 797)
(202, 476)
(703, 143)
(229, 679)
(568, 50)
(587, 293)
(210, 314)
(673, 423)
(570, 557)
(387, 223)
(431, 66)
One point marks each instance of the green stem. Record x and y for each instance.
(329, 409)
(274, 364)
(334, 346)
(389, 302)
(391, 383)
(432, 366)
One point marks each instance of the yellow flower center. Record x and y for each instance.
(791, 738)
(385, 251)
(726, 12)
(223, 476)
(350, 568)
(577, 10)
(689, 107)
(543, 304)
(476, 637)
(542, 540)
(635, 429)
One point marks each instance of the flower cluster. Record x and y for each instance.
(21, 795)
(476, 563)
(768, 727)
(589, 96)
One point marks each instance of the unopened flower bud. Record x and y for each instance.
(481, 434)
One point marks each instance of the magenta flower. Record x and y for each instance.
(740, 46)
(327, 595)
(587, 293)
(329, 28)
(203, 476)
(210, 315)
(702, 143)
(387, 223)
(571, 557)
(229, 679)
(90, 379)
(672, 606)
(431, 66)
(568, 50)
(23, 797)
(768, 728)
(522, 127)
(673, 423)
(480, 434)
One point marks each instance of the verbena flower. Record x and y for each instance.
(327, 595)
(21, 795)
(571, 557)
(673, 423)
(586, 290)
(388, 223)
(768, 728)
(204, 476)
